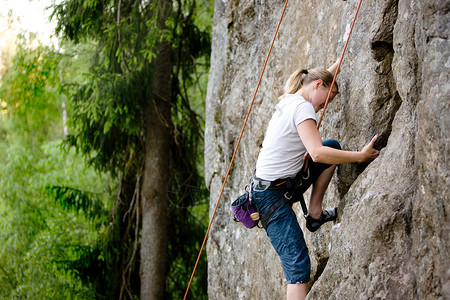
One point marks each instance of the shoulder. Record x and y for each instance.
(294, 100)
(295, 104)
(304, 110)
(303, 104)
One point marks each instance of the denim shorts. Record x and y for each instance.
(285, 236)
(283, 229)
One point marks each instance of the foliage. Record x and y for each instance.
(108, 120)
(76, 200)
(29, 89)
(61, 235)
(39, 238)
(108, 123)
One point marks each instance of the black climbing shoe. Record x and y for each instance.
(327, 216)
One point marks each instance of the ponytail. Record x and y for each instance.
(302, 76)
(295, 81)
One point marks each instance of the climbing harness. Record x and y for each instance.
(245, 123)
(291, 185)
(247, 212)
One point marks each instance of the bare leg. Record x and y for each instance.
(318, 191)
(296, 291)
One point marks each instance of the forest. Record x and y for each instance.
(102, 177)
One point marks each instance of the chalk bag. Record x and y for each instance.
(245, 211)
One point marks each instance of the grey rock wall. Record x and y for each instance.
(391, 240)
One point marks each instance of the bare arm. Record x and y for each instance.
(309, 134)
(333, 68)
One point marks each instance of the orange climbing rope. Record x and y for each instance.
(339, 65)
(306, 157)
(236, 148)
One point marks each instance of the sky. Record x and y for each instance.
(26, 15)
(33, 17)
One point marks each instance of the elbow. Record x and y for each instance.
(315, 156)
(320, 155)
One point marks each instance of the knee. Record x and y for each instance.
(332, 144)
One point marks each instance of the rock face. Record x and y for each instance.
(391, 240)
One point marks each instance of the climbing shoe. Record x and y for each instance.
(327, 216)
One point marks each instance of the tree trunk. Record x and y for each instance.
(156, 174)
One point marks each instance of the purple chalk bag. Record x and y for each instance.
(245, 211)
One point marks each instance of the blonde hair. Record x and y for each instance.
(303, 76)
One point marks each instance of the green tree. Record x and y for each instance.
(137, 115)
(40, 240)
(29, 89)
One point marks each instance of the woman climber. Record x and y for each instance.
(291, 133)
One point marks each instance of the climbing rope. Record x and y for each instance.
(339, 65)
(306, 157)
(235, 149)
(246, 120)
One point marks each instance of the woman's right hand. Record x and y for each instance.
(369, 153)
(333, 68)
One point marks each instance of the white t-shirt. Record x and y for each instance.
(282, 151)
